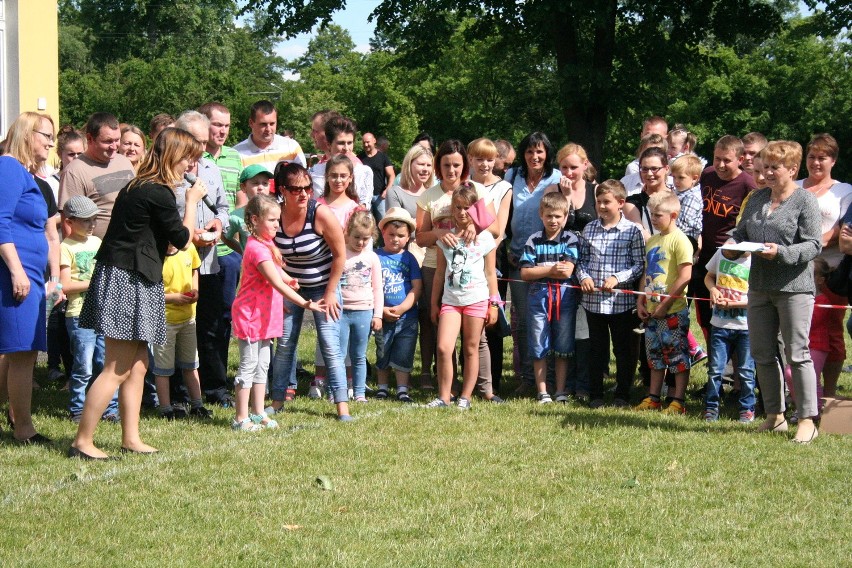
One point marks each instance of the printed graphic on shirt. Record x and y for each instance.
(458, 275)
(357, 276)
(85, 263)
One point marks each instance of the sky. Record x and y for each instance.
(353, 18)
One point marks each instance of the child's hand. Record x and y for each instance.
(389, 315)
(192, 295)
(468, 235)
(660, 312)
(376, 324)
(716, 297)
(561, 270)
(436, 309)
(293, 283)
(316, 306)
(609, 284)
(449, 239)
(642, 311)
(587, 285)
(491, 316)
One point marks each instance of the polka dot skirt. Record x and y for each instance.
(123, 304)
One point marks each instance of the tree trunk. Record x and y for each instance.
(584, 71)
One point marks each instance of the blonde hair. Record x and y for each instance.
(362, 219)
(652, 141)
(170, 147)
(258, 207)
(786, 152)
(570, 149)
(665, 200)
(688, 164)
(416, 151)
(482, 148)
(554, 201)
(19, 142)
(612, 187)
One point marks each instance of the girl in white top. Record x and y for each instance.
(464, 298)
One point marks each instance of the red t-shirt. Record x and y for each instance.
(722, 201)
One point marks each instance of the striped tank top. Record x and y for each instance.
(307, 255)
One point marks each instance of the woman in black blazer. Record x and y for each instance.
(125, 301)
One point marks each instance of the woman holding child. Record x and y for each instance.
(125, 301)
(786, 219)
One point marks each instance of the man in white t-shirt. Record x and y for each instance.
(264, 146)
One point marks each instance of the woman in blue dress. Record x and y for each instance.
(24, 211)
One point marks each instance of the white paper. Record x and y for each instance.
(744, 246)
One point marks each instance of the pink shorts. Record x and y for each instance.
(477, 310)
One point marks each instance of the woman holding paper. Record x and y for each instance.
(786, 219)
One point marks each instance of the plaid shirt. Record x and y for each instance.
(691, 210)
(618, 251)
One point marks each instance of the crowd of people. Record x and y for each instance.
(135, 260)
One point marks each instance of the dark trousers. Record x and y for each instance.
(58, 342)
(229, 276)
(620, 327)
(208, 320)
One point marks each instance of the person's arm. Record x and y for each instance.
(716, 296)
(635, 260)
(331, 231)
(20, 282)
(642, 303)
(491, 278)
(503, 217)
(438, 286)
(51, 233)
(378, 285)
(809, 231)
(71, 286)
(684, 275)
(269, 271)
(389, 175)
(425, 236)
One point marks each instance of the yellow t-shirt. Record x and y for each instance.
(79, 257)
(663, 255)
(177, 278)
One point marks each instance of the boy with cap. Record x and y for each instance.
(253, 180)
(76, 265)
(403, 284)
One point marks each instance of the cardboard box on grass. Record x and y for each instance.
(836, 416)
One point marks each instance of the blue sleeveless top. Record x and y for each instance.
(307, 255)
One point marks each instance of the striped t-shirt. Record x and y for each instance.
(307, 254)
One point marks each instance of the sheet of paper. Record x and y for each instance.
(744, 246)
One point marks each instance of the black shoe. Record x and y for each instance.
(75, 453)
(201, 413)
(168, 415)
(179, 412)
(36, 440)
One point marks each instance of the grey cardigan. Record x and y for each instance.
(795, 226)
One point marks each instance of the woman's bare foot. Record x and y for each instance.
(773, 423)
(806, 432)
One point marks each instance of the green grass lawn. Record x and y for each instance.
(502, 485)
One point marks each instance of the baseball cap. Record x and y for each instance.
(253, 170)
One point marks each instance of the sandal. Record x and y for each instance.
(264, 421)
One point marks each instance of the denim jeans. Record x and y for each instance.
(550, 330)
(377, 207)
(87, 347)
(354, 336)
(395, 344)
(724, 343)
(328, 337)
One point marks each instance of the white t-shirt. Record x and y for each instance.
(464, 280)
(732, 282)
(832, 205)
(436, 202)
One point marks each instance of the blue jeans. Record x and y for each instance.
(723, 343)
(229, 274)
(377, 207)
(328, 337)
(354, 336)
(87, 348)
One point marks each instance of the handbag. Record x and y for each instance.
(480, 215)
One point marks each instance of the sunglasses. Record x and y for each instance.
(297, 189)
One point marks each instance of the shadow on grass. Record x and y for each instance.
(574, 418)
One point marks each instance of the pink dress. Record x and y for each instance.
(258, 310)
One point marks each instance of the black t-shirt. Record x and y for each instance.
(47, 193)
(377, 163)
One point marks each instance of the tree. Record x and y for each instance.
(595, 43)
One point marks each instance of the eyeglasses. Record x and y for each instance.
(297, 189)
(649, 170)
(49, 137)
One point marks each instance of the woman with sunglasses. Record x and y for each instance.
(311, 242)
